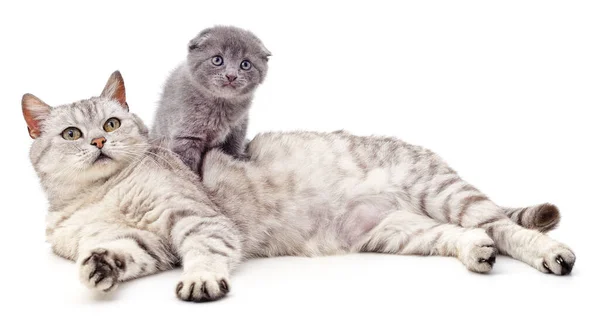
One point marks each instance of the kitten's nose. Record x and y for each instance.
(231, 77)
(99, 142)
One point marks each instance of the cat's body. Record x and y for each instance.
(307, 193)
(143, 211)
(206, 100)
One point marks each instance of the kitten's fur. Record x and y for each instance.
(303, 193)
(198, 109)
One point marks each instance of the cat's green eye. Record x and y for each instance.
(71, 133)
(112, 124)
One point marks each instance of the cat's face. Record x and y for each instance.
(86, 140)
(227, 61)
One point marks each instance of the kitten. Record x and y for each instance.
(122, 208)
(206, 100)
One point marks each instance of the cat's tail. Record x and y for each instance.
(543, 217)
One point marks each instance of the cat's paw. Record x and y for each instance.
(202, 287)
(478, 251)
(99, 270)
(556, 259)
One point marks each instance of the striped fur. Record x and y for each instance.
(143, 211)
(305, 193)
(140, 212)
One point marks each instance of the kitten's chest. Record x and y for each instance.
(219, 124)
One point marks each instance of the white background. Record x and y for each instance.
(506, 91)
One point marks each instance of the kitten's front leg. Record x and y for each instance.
(235, 143)
(106, 260)
(190, 149)
(210, 248)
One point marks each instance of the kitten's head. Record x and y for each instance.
(227, 61)
(87, 140)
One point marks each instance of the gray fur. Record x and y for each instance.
(198, 111)
(302, 193)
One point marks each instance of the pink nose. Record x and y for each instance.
(231, 77)
(99, 142)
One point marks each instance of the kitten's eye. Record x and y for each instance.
(217, 60)
(71, 133)
(112, 124)
(246, 65)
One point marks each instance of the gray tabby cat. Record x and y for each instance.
(206, 100)
(122, 208)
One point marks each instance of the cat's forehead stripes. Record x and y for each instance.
(85, 112)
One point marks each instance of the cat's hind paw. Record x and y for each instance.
(202, 287)
(478, 253)
(557, 260)
(99, 270)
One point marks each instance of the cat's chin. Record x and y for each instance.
(230, 93)
(102, 167)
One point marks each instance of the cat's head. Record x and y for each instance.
(86, 140)
(227, 61)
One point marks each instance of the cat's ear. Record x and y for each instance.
(115, 89)
(199, 40)
(35, 111)
(265, 52)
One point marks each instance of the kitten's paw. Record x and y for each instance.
(202, 287)
(556, 259)
(99, 270)
(478, 251)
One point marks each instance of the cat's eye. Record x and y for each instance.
(112, 124)
(246, 65)
(217, 60)
(71, 133)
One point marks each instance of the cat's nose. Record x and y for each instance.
(99, 142)
(231, 77)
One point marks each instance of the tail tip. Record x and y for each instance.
(547, 217)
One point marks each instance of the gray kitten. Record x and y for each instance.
(206, 100)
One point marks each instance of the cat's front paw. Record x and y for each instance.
(478, 251)
(99, 270)
(556, 259)
(202, 287)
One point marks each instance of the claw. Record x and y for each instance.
(489, 261)
(560, 260)
(546, 267)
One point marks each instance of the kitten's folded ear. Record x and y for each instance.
(199, 40)
(115, 89)
(266, 53)
(35, 111)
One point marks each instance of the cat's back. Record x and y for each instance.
(335, 148)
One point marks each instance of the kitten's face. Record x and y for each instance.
(227, 61)
(86, 140)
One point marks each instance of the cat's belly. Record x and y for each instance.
(308, 215)
(312, 227)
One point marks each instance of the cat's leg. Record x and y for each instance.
(210, 248)
(457, 202)
(189, 148)
(109, 254)
(403, 232)
(235, 143)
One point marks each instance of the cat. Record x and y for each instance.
(206, 100)
(123, 207)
